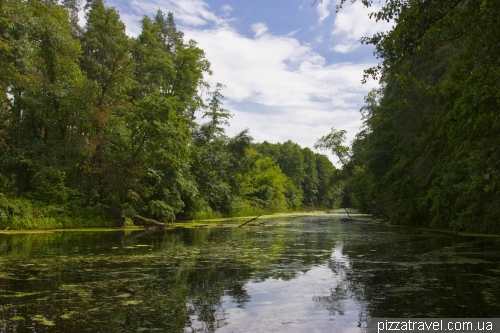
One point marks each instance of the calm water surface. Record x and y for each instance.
(313, 274)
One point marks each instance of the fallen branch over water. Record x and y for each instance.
(252, 219)
(147, 222)
(348, 214)
(137, 218)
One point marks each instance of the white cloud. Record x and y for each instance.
(259, 28)
(132, 24)
(226, 10)
(307, 95)
(186, 12)
(291, 33)
(323, 11)
(345, 48)
(352, 23)
(275, 70)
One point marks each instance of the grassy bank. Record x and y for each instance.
(24, 214)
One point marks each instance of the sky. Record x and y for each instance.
(292, 71)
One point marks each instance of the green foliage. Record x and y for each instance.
(264, 185)
(312, 178)
(49, 185)
(428, 153)
(23, 214)
(329, 187)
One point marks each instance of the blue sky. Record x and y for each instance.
(291, 70)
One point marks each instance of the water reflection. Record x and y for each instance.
(308, 275)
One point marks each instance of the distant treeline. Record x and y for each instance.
(429, 153)
(93, 123)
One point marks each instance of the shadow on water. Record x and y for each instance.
(307, 274)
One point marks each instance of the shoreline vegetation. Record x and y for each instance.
(221, 222)
(182, 223)
(23, 214)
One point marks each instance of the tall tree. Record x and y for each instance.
(310, 182)
(108, 63)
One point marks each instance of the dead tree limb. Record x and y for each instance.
(147, 222)
(348, 214)
(137, 218)
(252, 219)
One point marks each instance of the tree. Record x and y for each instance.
(107, 62)
(265, 184)
(310, 182)
(329, 189)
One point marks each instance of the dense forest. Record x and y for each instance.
(429, 151)
(97, 127)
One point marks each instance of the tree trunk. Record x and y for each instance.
(18, 139)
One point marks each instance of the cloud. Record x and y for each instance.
(280, 88)
(275, 70)
(322, 10)
(260, 29)
(352, 23)
(226, 10)
(132, 23)
(291, 33)
(345, 48)
(186, 12)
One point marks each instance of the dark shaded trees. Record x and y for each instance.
(429, 150)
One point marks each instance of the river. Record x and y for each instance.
(296, 274)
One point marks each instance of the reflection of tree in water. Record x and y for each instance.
(209, 283)
(345, 289)
(333, 302)
(417, 274)
(205, 290)
(238, 293)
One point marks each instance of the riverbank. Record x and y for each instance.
(447, 231)
(193, 223)
(29, 216)
(370, 219)
(236, 221)
(208, 223)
